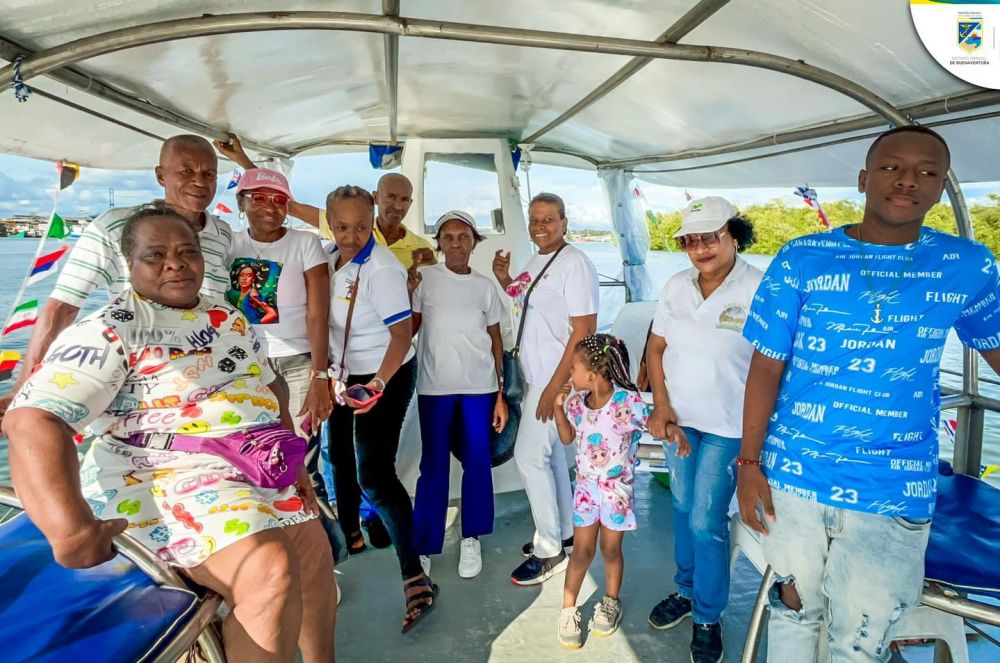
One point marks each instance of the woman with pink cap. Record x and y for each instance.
(280, 281)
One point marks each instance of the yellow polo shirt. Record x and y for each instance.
(402, 248)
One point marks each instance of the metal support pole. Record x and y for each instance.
(391, 46)
(755, 629)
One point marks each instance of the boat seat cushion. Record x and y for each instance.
(965, 535)
(112, 612)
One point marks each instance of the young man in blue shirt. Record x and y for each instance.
(839, 458)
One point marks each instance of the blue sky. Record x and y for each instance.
(27, 186)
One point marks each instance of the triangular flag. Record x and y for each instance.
(8, 362)
(58, 229)
(68, 173)
(23, 316)
(234, 180)
(46, 265)
(222, 208)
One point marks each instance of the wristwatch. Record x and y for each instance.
(320, 375)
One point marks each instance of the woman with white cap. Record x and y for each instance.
(459, 375)
(698, 361)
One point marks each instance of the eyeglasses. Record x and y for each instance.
(708, 240)
(261, 198)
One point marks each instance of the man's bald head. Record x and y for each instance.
(188, 142)
(187, 172)
(393, 197)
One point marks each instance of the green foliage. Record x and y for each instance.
(775, 223)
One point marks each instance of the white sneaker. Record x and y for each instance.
(425, 564)
(470, 561)
(570, 635)
(607, 617)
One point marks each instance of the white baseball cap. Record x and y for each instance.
(455, 215)
(705, 215)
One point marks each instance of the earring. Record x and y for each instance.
(243, 216)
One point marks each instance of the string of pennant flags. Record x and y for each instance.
(24, 313)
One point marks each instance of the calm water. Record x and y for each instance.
(16, 255)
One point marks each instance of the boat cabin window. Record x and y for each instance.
(463, 181)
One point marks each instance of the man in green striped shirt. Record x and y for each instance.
(187, 172)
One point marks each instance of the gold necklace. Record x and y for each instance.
(877, 297)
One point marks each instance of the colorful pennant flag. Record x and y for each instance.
(650, 217)
(812, 200)
(8, 362)
(46, 265)
(68, 173)
(234, 180)
(221, 208)
(25, 315)
(57, 228)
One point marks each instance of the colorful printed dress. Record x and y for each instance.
(607, 442)
(136, 366)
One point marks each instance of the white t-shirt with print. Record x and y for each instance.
(707, 359)
(135, 366)
(568, 290)
(454, 350)
(276, 302)
(383, 300)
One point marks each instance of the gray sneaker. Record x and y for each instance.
(607, 617)
(570, 635)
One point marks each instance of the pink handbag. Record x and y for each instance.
(269, 455)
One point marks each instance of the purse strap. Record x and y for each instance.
(524, 308)
(353, 292)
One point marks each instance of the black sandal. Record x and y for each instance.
(419, 603)
(356, 543)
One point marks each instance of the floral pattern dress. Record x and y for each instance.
(607, 443)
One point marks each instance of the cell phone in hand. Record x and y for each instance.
(363, 395)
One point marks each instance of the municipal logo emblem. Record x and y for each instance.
(970, 34)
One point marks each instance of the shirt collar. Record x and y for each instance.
(364, 255)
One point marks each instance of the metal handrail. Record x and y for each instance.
(160, 573)
(947, 600)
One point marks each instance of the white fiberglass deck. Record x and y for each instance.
(489, 619)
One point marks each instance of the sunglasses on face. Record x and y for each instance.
(708, 240)
(262, 198)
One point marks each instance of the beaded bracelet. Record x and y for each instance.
(740, 462)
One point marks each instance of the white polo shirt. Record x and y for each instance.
(383, 300)
(707, 359)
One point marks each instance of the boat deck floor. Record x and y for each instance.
(490, 619)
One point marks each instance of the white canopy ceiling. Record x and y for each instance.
(313, 91)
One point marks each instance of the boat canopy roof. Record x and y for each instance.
(714, 93)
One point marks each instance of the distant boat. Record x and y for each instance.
(19, 235)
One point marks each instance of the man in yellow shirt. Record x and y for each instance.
(392, 196)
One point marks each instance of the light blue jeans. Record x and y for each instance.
(855, 571)
(702, 486)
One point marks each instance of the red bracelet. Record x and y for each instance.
(740, 462)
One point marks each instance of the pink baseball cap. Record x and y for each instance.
(263, 178)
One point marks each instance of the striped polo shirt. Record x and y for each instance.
(96, 260)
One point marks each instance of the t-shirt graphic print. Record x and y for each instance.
(254, 289)
(861, 329)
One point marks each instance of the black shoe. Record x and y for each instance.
(706, 643)
(536, 570)
(378, 535)
(669, 612)
(528, 549)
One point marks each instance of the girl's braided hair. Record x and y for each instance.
(607, 355)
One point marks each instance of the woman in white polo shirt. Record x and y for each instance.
(562, 311)
(370, 334)
(698, 362)
(459, 367)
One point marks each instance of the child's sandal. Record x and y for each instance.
(421, 597)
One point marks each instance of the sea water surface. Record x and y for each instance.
(16, 256)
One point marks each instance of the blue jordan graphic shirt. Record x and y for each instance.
(862, 328)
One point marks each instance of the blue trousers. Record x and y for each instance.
(702, 486)
(458, 424)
